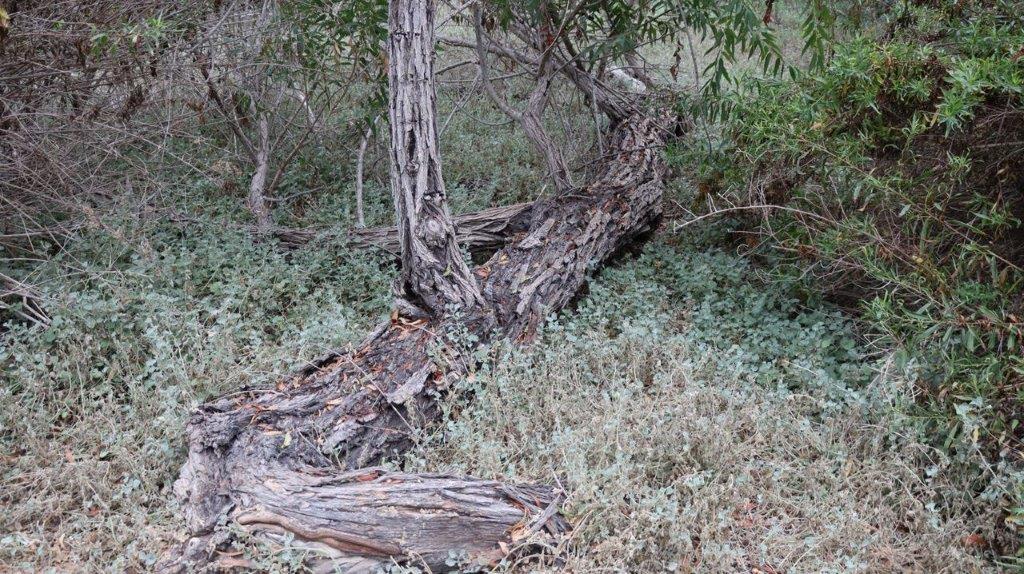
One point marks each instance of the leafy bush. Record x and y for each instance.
(893, 178)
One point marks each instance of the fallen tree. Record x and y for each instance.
(289, 462)
(278, 460)
(487, 229)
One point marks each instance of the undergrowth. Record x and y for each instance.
(704, 411)
(700, 419)
(891, 181)
(146, 325)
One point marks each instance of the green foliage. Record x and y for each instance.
(326, 36)
(700, 416)
(896, 184)
(736, 29)
(700, 419)
(153, 316)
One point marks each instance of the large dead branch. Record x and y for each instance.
(278, 461)
(478, 232)
(358, 521)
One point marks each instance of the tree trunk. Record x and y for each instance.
(434, 275)
(275, 460)
(360, 162)
(257, 186)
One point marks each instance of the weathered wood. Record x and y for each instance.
(361, 520)
(434, 276)
(479, 231)
(349, 410)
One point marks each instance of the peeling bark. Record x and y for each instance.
(281, 463)
(360, 521)
(434, 274)
(477, 232)
(279, 460)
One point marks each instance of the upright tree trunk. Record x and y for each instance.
(258, 184)
(434, 274)
(360, 163)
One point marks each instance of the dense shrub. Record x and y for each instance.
(893, 178)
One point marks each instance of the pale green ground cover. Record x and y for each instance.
(698, 416)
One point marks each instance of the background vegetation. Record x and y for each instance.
(815, 365)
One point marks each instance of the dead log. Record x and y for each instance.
(479, 231)
(278, 460)
(359, 521)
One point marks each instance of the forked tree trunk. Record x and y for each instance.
(279, 461)
(531, 118)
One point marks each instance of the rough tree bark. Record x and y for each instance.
(281, 455)
(434, 275)
(477, 232)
